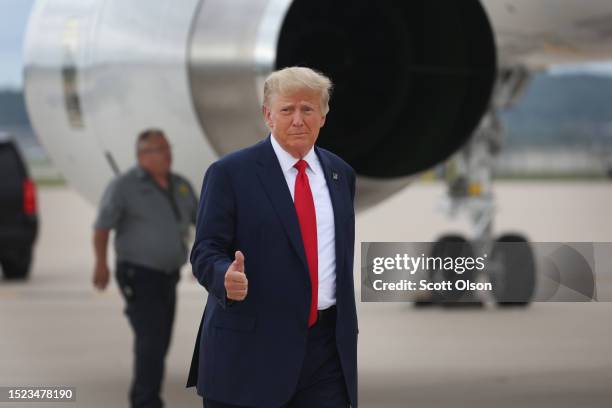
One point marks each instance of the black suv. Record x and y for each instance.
(18, 215)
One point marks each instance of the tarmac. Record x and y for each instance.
(56, 330)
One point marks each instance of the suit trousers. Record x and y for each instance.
(150, 299)
(321, 382)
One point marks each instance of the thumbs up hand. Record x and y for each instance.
(236, 283)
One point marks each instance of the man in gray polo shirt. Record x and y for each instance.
(151, 211)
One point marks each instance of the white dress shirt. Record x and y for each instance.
(326, 239)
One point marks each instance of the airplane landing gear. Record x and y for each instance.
(510, 266)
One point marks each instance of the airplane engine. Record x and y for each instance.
(412, 80)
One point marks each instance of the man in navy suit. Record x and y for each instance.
(274, 249)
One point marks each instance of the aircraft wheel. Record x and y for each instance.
(513, 277)
(452, 246)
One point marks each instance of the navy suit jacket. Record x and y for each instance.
(251, 352)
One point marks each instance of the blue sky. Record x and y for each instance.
(14, 16)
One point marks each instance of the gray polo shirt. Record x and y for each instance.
(151, 224)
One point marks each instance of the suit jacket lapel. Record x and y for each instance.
(274, 183)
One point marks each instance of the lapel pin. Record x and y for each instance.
(335, 176)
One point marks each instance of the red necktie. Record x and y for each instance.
(304, 206)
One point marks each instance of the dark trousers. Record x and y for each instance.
(321, 382)
(150, 297)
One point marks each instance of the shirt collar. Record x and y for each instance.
(287, 161)
(141, 173)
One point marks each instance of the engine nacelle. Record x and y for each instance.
(412, 80)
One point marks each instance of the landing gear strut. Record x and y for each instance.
(510, 266)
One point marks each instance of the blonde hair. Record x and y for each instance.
(289, 80)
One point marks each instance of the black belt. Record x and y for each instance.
(147, 268)
(326, 315)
